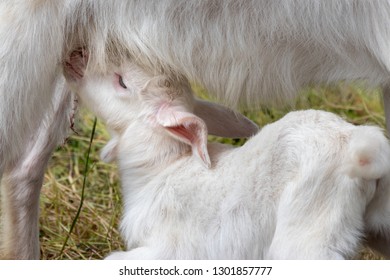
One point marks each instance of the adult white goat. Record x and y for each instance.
(252, 52)
(309, 186)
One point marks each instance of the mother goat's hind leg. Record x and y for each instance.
(380, 205)
(386, 106)
(380, 241)
(23, 179)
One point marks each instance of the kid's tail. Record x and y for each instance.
(368, 155)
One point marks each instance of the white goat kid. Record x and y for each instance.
(274, 48)
(309, 186)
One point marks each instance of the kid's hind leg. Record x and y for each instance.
(318, 220)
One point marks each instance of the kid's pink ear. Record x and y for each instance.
(187, 128)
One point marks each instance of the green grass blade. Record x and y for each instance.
(82, 189)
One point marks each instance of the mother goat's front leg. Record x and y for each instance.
(22, 181)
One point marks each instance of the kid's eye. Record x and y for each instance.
(121, 83)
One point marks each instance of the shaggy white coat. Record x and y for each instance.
(243, 52)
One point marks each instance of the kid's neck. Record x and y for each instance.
(144, 152)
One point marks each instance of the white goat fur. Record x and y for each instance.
(309, 186)
(247, 52)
